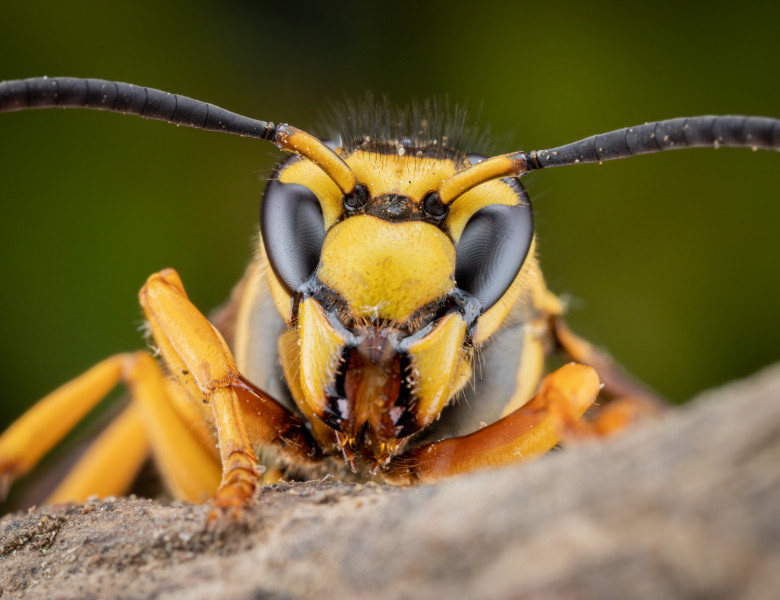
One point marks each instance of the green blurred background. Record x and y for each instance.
(670, 261)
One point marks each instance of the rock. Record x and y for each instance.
(685, 507)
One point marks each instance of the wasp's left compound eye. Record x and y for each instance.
(293, 231)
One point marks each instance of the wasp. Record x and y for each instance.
(394, 323)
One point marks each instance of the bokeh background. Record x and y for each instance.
(669, 261)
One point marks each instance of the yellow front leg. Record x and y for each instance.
(525, 433)
(187, 341)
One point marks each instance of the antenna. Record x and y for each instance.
(150, 103)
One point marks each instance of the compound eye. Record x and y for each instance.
(293, 230)
(493, 248)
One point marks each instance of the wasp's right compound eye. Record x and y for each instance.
(293, 230)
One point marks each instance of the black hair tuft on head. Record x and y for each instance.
(433, 128)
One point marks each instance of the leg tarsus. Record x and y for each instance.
(241, 483)
(617, 382)
(238, 488)
(241, 471)
(617, 415)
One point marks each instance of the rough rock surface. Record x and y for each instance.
(688, 507)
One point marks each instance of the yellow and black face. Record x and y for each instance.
(389, 293)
